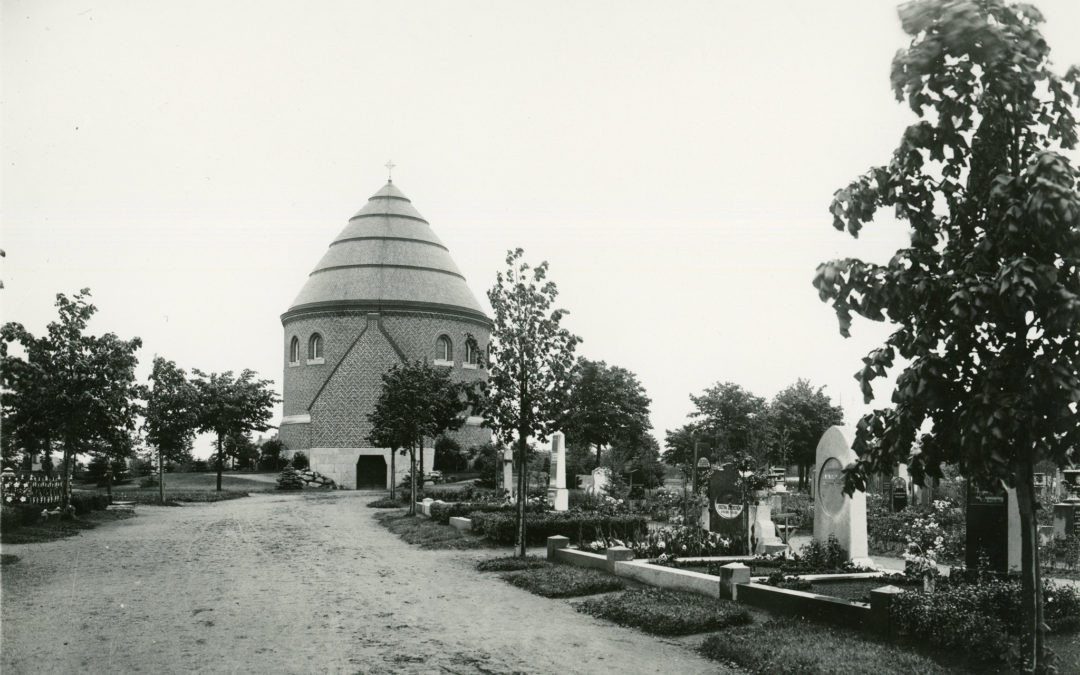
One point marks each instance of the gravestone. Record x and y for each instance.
(600, 480)
(993, 528)
(508, 473)
(835, 513)
(727, 512)
(558, 495)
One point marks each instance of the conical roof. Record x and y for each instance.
(387, 258)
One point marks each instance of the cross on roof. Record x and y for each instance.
(390, 171)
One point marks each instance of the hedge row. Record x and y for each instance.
(501, 527)
(444, 512)
(85, 502)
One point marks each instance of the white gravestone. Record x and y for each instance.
(836, 513)
(558, 495)
(508, 473)
(763, 529)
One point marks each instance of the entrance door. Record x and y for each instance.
(370, 472)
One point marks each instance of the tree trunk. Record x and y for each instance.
(412, 481)
(522, 495)
(220, 463)
(66, 483)
(108, 479)
(1032, 635)
(421, 462)
(393, 473)
(161, 478)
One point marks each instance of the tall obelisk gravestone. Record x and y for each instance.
(558, 495)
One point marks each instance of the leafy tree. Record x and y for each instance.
(75, 389)
(798, 416)
(532, 357)
(987, 295)
(605, 403)
(230, 406)
(270, 454)
(730, 420)
(679, 444)
(417, 401)
(172, 415)
(449, 455)
(241, 450)
(637, 460)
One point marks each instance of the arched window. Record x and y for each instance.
(472, 353)
(294, 350)
(444, 351)
(314, 349)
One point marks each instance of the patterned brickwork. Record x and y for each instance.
(302, 382)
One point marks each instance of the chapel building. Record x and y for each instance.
(386, 291)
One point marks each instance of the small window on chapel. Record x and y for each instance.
(315, 349)
(444, 351)
(472, 354)
(294, 351)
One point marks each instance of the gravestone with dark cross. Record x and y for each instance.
(727, 511)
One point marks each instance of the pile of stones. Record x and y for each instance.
(291, 479)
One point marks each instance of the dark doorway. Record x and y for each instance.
(370, 472)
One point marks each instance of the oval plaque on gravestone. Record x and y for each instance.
(831, 486)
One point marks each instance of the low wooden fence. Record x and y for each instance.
(30, 490)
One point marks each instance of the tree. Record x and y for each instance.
(730, 421)
(172, 415)
(987, 295)
(270, 454)
(636, 460)
(417, 401)
(680, 448)
(532, 357)
(605, 402)
(229, 406)
(798, 416)
(72, 388)
(241, 450)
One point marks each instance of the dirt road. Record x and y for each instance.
(291, 584)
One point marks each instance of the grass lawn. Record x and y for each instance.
(192, 487)
(429, 534)
(511, 563)
(663, 612)
(790, 645)
(55, 528)
(564, 581)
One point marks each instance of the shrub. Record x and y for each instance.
(663, 612)
(982, 617)
(511, 564)
(501, 528)
(938, 530)
(561, 581)
(85, 502)
(149, 481)
(444, 512)
(10, 518)
(300, 461)
(468, 493)
(290, 480)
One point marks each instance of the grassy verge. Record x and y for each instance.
(799, 646)
(55, 528)
(386, 503)
(511, 564)
(428, 534)
(8, 559)
(561, 581)
(176, 497)
(664, 612)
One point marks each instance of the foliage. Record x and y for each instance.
(449, 455)
(442, 513)
(679, 448)
(72, 388)
(984, 617)
(663, 612)
(828, 555)
(232, 407)
(271, 453)
(782, 580)
(511, 564)
(532, 358)
(563, 581)
(85, 502)
(501, 528)
(797, 417)
(300, 461)
(634, 461)
(290, 480)
(667, 543)
(791, 646)
(730, 421)
(177, 497)
(172, 414)
(417, 400)
(938, 530)
(987, 296)
(488, 462)
(468, 493)
(606, 404)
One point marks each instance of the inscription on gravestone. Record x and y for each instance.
(831, 486)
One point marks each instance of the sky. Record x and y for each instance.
(673, 162)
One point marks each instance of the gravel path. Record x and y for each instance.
(291, 584)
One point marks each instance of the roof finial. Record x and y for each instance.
(390, 171)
